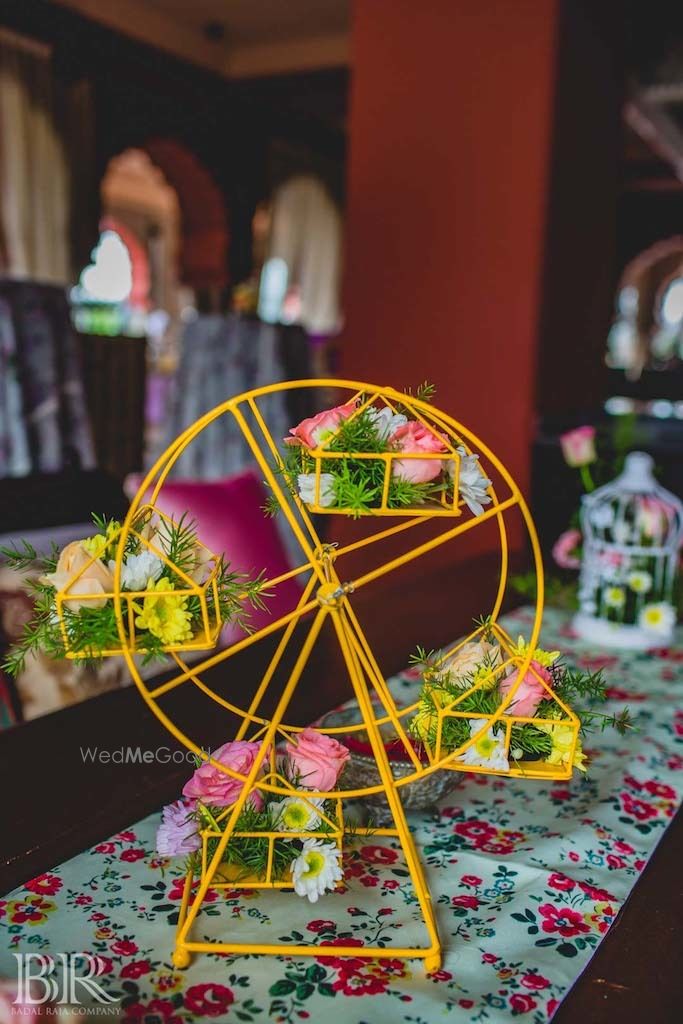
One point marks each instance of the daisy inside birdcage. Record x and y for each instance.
(632, 532)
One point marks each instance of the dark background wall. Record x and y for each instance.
(247, 133)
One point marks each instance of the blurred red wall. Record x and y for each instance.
(450, 130)
(450, 135)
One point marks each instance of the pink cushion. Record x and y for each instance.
(229, 520)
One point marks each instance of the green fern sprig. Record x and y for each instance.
(19, 557)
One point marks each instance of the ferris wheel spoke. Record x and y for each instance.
(308, 545)
(194, 678)
(381, 535)
(434, 542)
(274, 662)
(216, 659)
(275, 719)
(378, 682)
(268, 437)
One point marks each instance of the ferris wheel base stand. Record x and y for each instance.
(217, 875)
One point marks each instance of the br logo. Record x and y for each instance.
(39, 981)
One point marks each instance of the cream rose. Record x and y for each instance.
(94, 578)
(471, 656)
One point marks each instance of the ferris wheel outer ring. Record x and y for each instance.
(169, 457)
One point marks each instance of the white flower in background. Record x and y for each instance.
(317, 869)
(614, 597)
(658, 618)
(386, 422)
(602, 517)
(306, 485)
(472, 483)
(640, 582)
(294, 814)
(138, 569)
(488, 751)
(621, 532)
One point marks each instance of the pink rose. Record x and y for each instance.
(212, 786)
(578, 446)
(652, 517)
(564, 548)
(530, 692)
(316, 430)
(412, 438)
(318, 759)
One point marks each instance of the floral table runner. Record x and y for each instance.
(526, 876)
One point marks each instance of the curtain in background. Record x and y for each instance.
(223, 357)
(307, 234)
(44, 424)
(34, 178)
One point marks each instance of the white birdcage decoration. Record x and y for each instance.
(632, 530)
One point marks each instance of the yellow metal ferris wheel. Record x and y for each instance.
(327, 596)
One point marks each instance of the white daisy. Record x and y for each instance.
(386, 422)
(472, 484)
(640, 582)
(614, 597)
(306, 485)
(138, 569)
(294, 814)
(317, 869)
(488, 751)
(658, 617)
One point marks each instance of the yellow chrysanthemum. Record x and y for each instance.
(424, 723)
(545, 658)
(164, 615)
(97, 545)
(486, 676)
(562, 739)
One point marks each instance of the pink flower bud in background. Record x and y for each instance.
(564, 548)
(652, 517)
(578, 446)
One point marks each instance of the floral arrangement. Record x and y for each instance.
(626, 546)
(621, 583)
(174, 592)
(472, 684)
(305, 831)
(359, 457)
